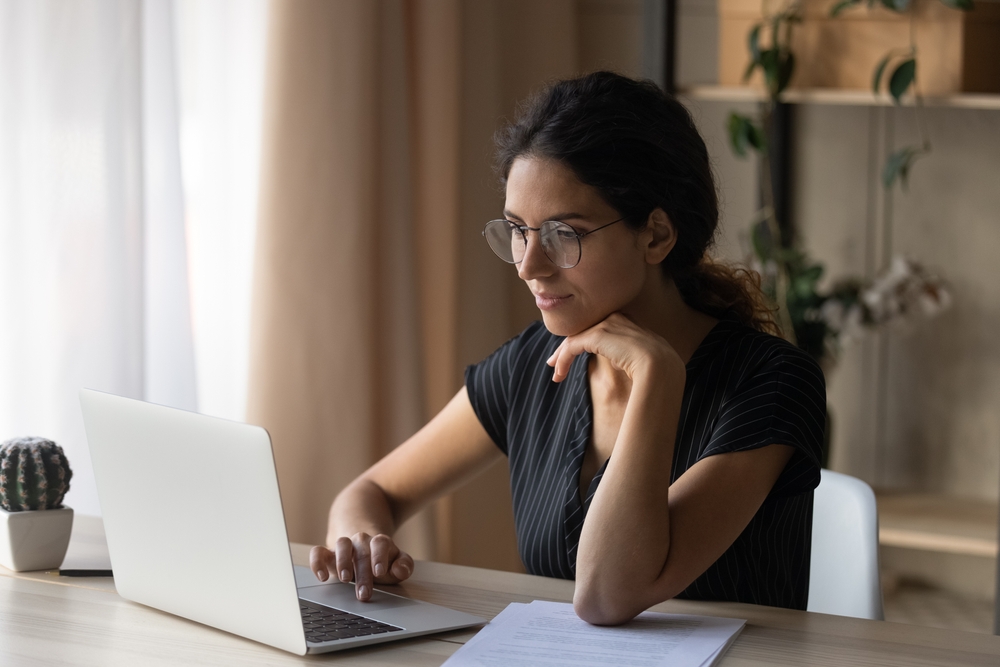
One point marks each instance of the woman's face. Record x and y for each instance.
(612, 271)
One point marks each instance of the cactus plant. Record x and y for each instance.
(34, 474)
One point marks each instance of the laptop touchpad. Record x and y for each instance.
(342, 596)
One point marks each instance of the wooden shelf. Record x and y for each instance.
(835, 97)
(935, 522)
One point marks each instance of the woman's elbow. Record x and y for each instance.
(603, 607)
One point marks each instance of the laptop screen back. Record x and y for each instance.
(193, 517)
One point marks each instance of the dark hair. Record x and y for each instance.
(640, 149)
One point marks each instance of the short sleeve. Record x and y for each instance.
(488, 386)
(780, 402)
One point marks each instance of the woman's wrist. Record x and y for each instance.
(661, 368)
(360, 508)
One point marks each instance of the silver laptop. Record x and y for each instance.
(195, 528)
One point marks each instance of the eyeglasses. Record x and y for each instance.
(560, 242)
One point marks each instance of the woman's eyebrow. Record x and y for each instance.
(560, 217)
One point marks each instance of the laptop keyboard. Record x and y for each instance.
(326, 624)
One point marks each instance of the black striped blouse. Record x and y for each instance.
(744, 390)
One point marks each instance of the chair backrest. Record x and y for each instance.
(844, 573)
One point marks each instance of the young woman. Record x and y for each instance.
(661, 441)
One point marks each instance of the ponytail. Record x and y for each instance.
(728, 292)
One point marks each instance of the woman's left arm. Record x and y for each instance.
(644, 540)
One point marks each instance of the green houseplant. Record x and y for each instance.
(819, 320)
(822, 320)
(34, 525)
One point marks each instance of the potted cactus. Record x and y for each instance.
(34, 525)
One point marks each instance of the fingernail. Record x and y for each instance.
(379, 569)
(345, 576)
(362, 592)
(322, 575)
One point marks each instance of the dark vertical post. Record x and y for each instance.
(996, 603)
(670, 46)
(779, 152)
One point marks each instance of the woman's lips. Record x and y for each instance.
(551, 301)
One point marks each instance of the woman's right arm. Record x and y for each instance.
(442, 456)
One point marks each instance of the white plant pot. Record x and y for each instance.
(34, 540)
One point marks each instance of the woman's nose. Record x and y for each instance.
(534, 264)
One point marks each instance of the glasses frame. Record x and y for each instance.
(524, 229)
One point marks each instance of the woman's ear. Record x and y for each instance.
(659, 236)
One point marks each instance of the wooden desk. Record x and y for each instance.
(50, 620)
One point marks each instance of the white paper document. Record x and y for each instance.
(550, 634)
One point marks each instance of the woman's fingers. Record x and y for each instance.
(363, 577)
(389, 564)
(616, 338)
(570, 348)
(402, 567)
(561, 362)
(344, 551)
(363, 559)
(320, 561)
(384, 551)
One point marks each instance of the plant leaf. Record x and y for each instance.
(844, 4)
(902, 77)
(756, 137)
(898, 6)
(892, 165)
(744, 134)
(753, 43)
(769, 63)
(898, 166)
(786, 67)
(964, 5)
(879, 70)
(813, 273)
(738, 135)
(763, 243)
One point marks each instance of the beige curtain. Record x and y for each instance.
(373, 287)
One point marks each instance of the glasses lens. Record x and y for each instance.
(560, 243)
(505, 240)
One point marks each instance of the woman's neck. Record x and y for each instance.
(661, 309)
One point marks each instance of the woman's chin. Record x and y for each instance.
(564, 326)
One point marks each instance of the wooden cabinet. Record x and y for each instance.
(935, 522)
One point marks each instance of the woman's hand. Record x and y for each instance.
(439, 458)
(628, 347)
(364, 559)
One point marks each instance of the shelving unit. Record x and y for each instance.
(936, 522)
(921, 521)
(710, 93)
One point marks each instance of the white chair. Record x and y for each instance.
(844, 578)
